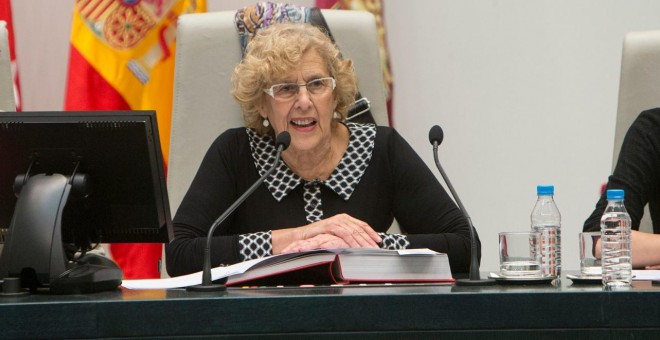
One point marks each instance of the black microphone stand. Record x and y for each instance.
(282, 141)
(475, 277)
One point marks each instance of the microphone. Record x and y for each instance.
(282, 142)
(435, 137)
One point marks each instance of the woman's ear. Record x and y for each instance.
(263, 109)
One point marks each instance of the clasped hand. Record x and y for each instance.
(339, 231)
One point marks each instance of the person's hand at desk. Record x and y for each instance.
(645, 250)
(339, 231)
(322, 241)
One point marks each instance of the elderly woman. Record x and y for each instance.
(339, 184)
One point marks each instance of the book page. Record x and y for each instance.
(423, 251)
(191, 279)
(646, 275)
(216, 273)
(377, 251)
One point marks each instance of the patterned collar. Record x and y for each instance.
(343, 179)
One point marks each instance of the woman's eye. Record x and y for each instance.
(315, 84)
(288, 88)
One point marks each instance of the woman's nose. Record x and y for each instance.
(303, 99)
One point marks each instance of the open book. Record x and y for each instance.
(323, 266)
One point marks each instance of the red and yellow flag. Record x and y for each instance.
(376, 8)
(122, 58)
(5, 14)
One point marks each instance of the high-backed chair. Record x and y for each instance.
(208, 49)
(7, 101)
(639, 89)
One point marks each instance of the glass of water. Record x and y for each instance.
(520, 254)
(590, 265)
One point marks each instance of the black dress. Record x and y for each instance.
(379, 178)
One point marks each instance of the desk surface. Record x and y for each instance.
(562, 308)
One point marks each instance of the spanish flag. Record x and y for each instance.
(122, 58)
(5, 14)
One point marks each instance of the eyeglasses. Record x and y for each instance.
(288, 91)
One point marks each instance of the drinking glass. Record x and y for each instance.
(520, 254)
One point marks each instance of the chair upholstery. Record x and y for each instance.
(7, 101)
(639, 89)
(208, 49)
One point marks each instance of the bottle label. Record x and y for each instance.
(550, 250)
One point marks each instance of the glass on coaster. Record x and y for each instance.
(590, 265)
(520, 255)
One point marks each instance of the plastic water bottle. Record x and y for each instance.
(615, 242)
(546, 220)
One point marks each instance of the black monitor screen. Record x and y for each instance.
(125, 199)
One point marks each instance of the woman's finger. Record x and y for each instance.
(363, 239)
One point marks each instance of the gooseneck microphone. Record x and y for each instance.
(282, 142)
(435, 137)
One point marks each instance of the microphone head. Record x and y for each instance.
(283, 139)
(436, 134)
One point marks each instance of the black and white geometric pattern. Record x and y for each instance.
(255, 245)
(394, 241)
(355, 161)
(312, 196)
(343, 179)
(283, 180)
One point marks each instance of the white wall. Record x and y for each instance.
(526, 92)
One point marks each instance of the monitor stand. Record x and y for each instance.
(33, 250)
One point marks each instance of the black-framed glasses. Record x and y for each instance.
(288, 91)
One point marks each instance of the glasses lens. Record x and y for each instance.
(319, 86)
(285, 91)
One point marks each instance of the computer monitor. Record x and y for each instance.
(70, 180)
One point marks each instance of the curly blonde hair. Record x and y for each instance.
(272, 54)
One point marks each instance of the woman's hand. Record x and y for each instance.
(352, 232)
(324, 241)
(355, 233)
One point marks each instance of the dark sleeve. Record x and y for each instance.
(213, 189)
(424, 210)
(637, 171)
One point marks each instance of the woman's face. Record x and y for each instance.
(307, 116)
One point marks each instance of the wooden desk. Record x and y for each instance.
(564, 310)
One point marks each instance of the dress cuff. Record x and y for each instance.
(255, 245)
(394, 241)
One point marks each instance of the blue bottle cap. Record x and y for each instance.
(545, 190)
(615, 194)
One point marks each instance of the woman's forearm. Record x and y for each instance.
(645, 249)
